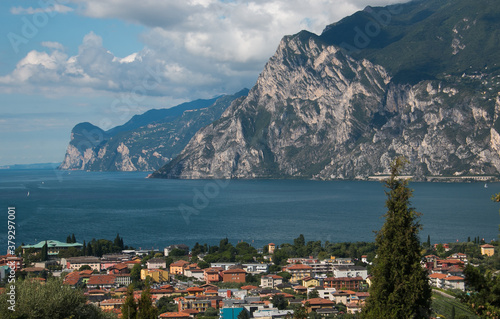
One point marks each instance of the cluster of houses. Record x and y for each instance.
(331, 282)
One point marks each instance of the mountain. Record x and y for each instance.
(146, 142)
(418, 79)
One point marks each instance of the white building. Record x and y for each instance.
(156, 263)
(270, 281)
(350, 271)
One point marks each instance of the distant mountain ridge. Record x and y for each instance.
(418, 79)
(146, 141)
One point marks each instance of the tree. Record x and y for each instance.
(44, 253)
(400, 288)
(211, 312)
(135, 273)
(166, 304)
(313, 294)
(243, 314)
(73, 238)
(279, 302)
(52, 299)
(118, 242)
(85, 267)
(129, 306)
(145, 307)
(300, 313)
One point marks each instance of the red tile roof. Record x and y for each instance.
(101, 280)
(249, 287)
(179, 263)
(235, 271)
(272, 276)
(454, 278)
(299, 267)
(190, 311)
(437, 275)
(318, 301)
(299, 287)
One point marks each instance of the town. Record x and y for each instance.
(299, 280)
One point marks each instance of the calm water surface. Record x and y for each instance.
(152, 213)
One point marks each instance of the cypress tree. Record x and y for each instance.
(84, 249)
(90, 252)
(44, 253)
(73, 238)
(68, 239)
(146, 310)
(129, 307)
(400, 288)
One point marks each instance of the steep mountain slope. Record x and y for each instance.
(325, 108)
(146, 142)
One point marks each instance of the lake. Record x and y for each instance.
(154, 213)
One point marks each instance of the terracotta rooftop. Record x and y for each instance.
(101, 280)
(318, 301)
(235, 271)
(299, 267)
(454, 278)
(249, 287)
(179, 263)
(273, 276)
(438, 276)
(299, 287)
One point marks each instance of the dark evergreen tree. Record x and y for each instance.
(84, 249)
(90, 250)
(243, 314)
(129, 307)
(68, 239)
(118, 242)
(428, 241)
(400, 288)
(279, 302)
(146, 310)
(44, 254)
(73, 238)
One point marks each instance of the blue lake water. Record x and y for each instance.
(153, 213)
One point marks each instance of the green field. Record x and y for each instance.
(442, 308)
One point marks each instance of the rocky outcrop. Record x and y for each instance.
(146, 142)
(316, 112)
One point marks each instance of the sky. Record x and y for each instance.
(102, 61)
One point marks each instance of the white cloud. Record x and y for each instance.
(53, 45)
(57, 8)
(197, 48)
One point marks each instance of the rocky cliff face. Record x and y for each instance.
(145, 143)
(317, 112)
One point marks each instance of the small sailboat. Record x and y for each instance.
(28, 194)
(485, 185)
